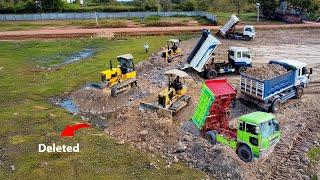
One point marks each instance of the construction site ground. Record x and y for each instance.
(69, 32)
(178, 140)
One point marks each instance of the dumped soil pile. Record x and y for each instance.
(91, 100)
(266, 71)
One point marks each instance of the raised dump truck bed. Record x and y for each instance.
(212, 118)
(202, 52)
(215, 99)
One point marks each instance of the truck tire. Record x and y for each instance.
(276, 106)
(244, 153)
(242, 69)
(247, 38)
(211, 137)
(211, 74)
(299, 92)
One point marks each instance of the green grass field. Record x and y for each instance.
(28, 118)
(103, 23)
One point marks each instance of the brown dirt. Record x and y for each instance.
(178, 140)
(71, 32)
(267, 71)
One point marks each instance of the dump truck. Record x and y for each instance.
(202, 58)
(228, 30)
(256, 133)
(270, 94)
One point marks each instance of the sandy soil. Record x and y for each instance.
(178, 140)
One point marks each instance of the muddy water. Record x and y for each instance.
(81, 55)
(71, 107)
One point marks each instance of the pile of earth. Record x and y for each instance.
(266, 71)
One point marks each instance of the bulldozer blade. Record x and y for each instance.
(159, 110)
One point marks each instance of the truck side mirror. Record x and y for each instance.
(310, 71)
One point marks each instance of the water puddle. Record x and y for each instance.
(60, 59)
(71, 107)
(81, 55)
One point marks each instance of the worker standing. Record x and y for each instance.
(146, 47)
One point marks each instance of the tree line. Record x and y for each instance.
(268, 7)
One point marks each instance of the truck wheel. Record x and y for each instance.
(299, 92)
(242, 69)
(244, 153)
(211, 74)
(276, 106)
(211, 137)
(247, 38)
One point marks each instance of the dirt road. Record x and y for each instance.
(110, 32)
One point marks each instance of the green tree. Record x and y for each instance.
(189, 5)
(268, 7)
(304, 5)
(203, 5)
(166, 5)
(52, 5)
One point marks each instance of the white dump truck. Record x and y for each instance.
(228, 30)
(202, 57)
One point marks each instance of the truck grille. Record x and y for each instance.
(273, 141)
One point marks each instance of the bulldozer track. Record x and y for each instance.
(286, 155)
(286, 158)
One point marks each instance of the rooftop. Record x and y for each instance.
(236, 48)
(257, 117)
(289, 62)
(126, 56)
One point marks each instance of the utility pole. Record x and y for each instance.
(258, 11)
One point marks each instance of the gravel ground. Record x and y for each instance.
(178, 140)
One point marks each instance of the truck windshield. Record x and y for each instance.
(246, 54)
(269, 128)
(248, 29)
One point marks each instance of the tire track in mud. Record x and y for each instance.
(288, 159)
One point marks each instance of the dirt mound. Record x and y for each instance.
(266, 71)
(91, 100)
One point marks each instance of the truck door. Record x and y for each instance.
(248, 133)
(302, 77)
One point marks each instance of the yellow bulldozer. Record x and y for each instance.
(173, 50)
(171, 99)
(121, 78)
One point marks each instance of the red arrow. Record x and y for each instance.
(69, 130)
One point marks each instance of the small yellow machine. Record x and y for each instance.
(173, 50)
(173, 98)
(121, 78)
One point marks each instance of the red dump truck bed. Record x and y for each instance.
(212, 111)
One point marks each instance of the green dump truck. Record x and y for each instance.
(255, 134)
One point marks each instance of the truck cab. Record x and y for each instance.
(240, 58)
(249, 31)
(257, 132)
